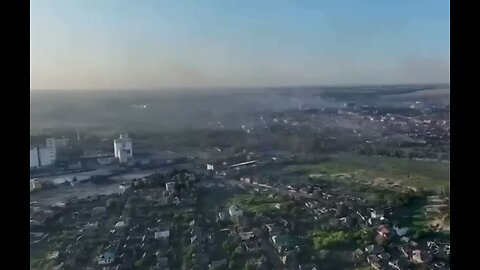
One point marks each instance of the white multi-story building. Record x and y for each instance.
(122, 148)
(123, 156)
(47, 156)
(50, 143)
(34, 158)
(43, 156)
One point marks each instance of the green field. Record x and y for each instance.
(424, 174)
(329, 239)
(257, 203)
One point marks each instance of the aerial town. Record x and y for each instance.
(239, 135)
(353, 186)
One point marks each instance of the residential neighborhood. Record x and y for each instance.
(179, 220)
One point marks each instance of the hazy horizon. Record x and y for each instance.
(122, 45)
(281, 87)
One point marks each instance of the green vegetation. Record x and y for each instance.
(387, 170)
(144, 262)
(249, 266)
(329, 239)
(367, 267)
(237, 258)
(229, 246)
(187, 258)
(257, 203)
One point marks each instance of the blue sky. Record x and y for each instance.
(116, 44)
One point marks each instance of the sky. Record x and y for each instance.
(145, 44)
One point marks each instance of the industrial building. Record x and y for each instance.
(122, 148)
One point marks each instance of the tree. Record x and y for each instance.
(231, 264)
(187, 262)
(382, 241)
(341, 210)
(229, 246)
(249, 266)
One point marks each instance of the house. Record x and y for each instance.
(290, 261)
(170, 187)
(274, 229)
(441, 254)
(419, 256)
(91, 225)
(53, 255)
(246, 235)
(374, 261)
(377, 221)
(372, 258)
(162, 261)
(120, 224)
(406, 250)
(235, 211)
(251, 245)
(376, 214)
(358, 256)
(246, 179)
(59, 266)
(162, 234)
(193, 239)
(217, 264)
(308, 266)
(282, 240)
(404, 239)
(106, 258)
(439, 266)
(446, 248)
(347, 221)
(374, 249)
(384, 256)
(361, 216)
(384, 232)
(376, 265)
(401, 231)
(394, 264)
(221, 174)
(124, 186)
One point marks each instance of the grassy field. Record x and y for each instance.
(330, 239)
(256, 203)
(381, 170)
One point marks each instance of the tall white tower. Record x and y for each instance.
(122, 148)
